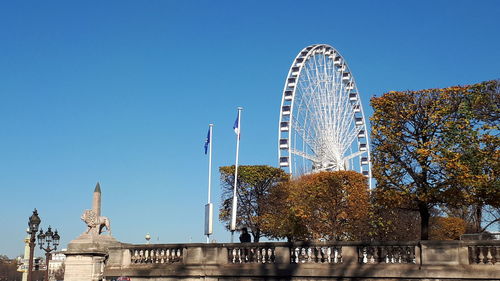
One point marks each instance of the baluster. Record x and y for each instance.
(401, 254)
(410, 258)
(381, 254)
(132, 256)
(482, 254)
(370, 255)
(234, 255)
(365, 255)
(251, 252)
(243, 254)
(376, 254)
(292, 255)
(494, 254)
(162, 256)
(487, 255)
(395, 254)
(389, 255)
(315, 254)
(141, 256)
(303, 255)
(272, 257)
(297, 255)
(339, 254)
(477, 254)
(230, 255)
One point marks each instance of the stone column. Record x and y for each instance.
(96, 200)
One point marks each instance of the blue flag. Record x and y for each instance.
(236, 125)
(207, 141)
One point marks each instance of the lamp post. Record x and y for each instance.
(33, 223)
(48, 242)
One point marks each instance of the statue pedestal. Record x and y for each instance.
(86, 255)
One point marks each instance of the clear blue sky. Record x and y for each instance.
(121, 92)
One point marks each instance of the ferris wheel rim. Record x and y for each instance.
(289, 96)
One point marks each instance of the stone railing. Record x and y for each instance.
(142, 255)
(450, 260)
(484, 254)
(315, 254)
(250, 253)
(386, 254)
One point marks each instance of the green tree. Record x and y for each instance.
(254, 183)
(324, 205)
(437, 146)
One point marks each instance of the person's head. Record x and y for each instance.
(244, 230)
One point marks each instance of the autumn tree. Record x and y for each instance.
(254, 183)
(471, 154)
(324, 205)
(419, 160)
(446, 228)
(393, 224)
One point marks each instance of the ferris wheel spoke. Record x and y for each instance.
(305, 155)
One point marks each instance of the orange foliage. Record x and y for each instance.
(437, 146)
(447, 228)
(328, 205)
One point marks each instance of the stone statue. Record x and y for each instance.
(87, 254)
(95, 223)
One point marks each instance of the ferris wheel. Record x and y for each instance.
(322, 126)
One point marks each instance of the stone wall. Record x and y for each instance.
(425, 260)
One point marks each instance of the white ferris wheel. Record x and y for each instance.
(322, 126)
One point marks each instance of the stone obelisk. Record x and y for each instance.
(96, 202)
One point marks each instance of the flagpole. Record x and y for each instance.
(209, 206)
(210, 220)
(235, 199)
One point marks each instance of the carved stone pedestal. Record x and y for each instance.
(86, 256)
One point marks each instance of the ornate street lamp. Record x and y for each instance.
(33, 223)
(48, 242)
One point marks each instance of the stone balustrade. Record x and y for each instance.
(387, 254)
(315, 254)
(250, 253)
(429, 260)
(142, 255)
(484, 254)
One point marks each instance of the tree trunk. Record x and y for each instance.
(256, 236)
(478, 217)
(424, 220)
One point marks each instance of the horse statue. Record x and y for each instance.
(95, 223)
